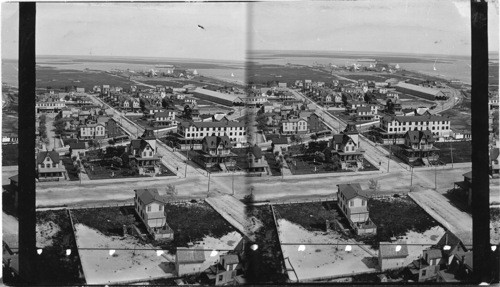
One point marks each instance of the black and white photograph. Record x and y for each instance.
(237, 143)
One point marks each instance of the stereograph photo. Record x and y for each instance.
(235, 143)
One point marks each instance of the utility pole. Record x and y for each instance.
(411, 179)
(208, 189)
(389, 160)
(435, 178)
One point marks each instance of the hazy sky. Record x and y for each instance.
(170, 30)
(423, 26)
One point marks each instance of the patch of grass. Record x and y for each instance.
(396, 216)
(10, 154)
(312, 216)
(462, 151)
(109, 220)
(191, 222)
(54, 267)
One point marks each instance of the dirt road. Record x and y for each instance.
(234, 211)
(438, 206)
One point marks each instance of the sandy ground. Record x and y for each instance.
(495, 232)
(45, 232)
(10, 230)
(129, 263)
(417, 242)
(221, 245)
(318, 261)
(233, 211)
(438, 206)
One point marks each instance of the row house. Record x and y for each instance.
(49, 106)
(129, 104)
(418, 146)
(236, 131)
(165, 118)
(393, 128)
(294, 126)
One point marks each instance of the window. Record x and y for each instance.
(424, 272)
(362, 202)
(221, 277)
(160, 208)
(149, 208)
(351, 203)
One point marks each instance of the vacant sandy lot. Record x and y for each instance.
(318, 260)
(129, 263)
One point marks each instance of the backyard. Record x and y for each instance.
(462, 151)
(54, 234)
(267, 264)
(10, 154)
(192, 222)
(396, 216)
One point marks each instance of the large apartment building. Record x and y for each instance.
(393, 128)
(236, 132)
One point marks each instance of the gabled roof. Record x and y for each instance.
(449, 239)
(280, 140)
(78, 145)
(53, 155)
(215, 141)
(256, 151)
(190, 256)
(351, 190)
(149, 195)
(417, 136)
(230, 259)
(388, 250)
(468, 174)
(433, 253)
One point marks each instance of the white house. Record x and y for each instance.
(294, 126)
(150, 207)
(189, 261)
(392, 255)
(353, 203)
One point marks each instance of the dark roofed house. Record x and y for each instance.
(49, 166)
(143, 152)
(78, 148)
(215, 154)
(188, 261)
(418, 147)
(256, 162)
(392, 256)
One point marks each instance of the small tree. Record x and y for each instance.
(171, 190)
(314, 137)
(374, 185)
(111, 142)
(117, 161)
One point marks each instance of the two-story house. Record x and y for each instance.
(346, 146)
(150, 207)
(426, 267)
(255, 160)
(165, 118)
(294, 126)
(353, 202)
(143, 152)
(92, 131)
(215, 153)
(49, 166)
(418, 146)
